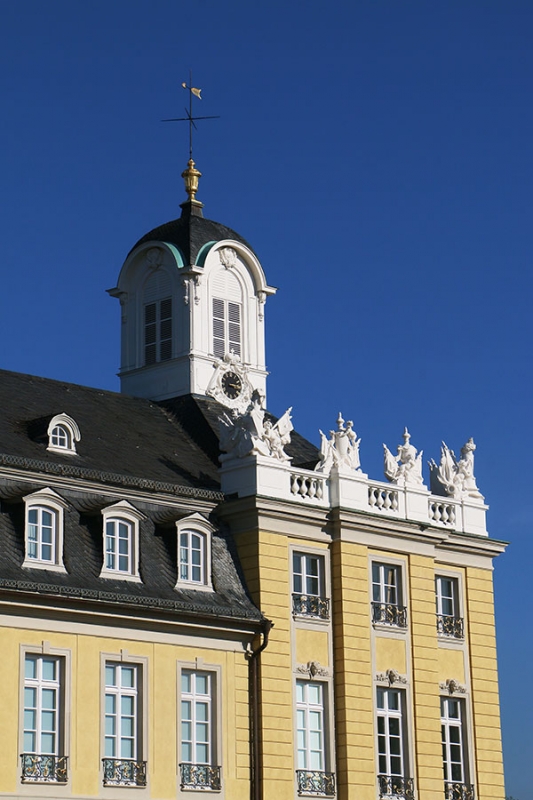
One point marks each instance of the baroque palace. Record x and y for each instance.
(195, 598)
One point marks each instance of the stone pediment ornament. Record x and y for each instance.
(452, 686)
(251, 433)
(404, 469)
(391, 676)
(154, 258)
(455, 478)
(341, 450)
(313, 668)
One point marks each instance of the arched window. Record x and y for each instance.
(121, 541)
(44, 530)
(157, 321)
(194, 552)
(118, 545)
(227, 313)
(63, 433)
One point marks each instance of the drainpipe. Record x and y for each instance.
(256, 787)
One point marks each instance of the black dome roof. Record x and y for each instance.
(190, 232)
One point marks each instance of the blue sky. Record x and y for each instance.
(377, 154)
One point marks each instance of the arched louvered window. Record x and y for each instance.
(227, 314)
(157, 318)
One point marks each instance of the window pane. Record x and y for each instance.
(201, 684)
(110, 675)
(30, 667)
(49, 669)
(185, 681)
(128, 678)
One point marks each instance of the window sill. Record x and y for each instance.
(115, 575)
(389, 627)
(34, 563)
(199, 587)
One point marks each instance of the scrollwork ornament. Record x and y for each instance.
(154, 258)
(313, 668)
(452, 686)
(228, 257)
(391, 676)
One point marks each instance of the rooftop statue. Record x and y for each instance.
(455, 477)
(250, 433)
(404, 469)
(342, 450)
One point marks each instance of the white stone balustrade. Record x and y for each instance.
(351, 490)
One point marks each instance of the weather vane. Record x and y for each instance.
(190, 118)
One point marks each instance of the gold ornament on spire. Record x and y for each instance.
(191, 175)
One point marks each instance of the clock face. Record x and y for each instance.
(231, 385)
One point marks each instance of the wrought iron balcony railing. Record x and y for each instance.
(312, 781)
(310, 605)
(43, 769)
(124, 772)
(450, 626)
(397, 787)
(389, 614)
(200, 776)
(458, 791)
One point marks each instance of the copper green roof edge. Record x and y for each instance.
(202, 253)
(70, 471)
(178, 255)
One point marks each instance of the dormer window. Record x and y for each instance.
(44, 530)
(194, 552)
(63, 433)
(121, 541)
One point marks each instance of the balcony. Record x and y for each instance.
(200, 776)
(315, 782)
(43, 769)
(458, 791)
(124, 772)
(450, 626)
(397, 787)
(310, 605)
(389, 614)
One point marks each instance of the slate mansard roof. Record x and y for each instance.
(129, 446)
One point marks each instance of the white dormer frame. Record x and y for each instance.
(70, 430)
(197, 525)
(123, 512)
(50, 502)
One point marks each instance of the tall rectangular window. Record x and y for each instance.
(158, 331)
(306, 574)
(390, 732)
(42, 705)
(227, 335)
(198, 766)
(449, 622)
(310, 725)
(121, 711)
(43, 758)
(387, 605)
(452, 740)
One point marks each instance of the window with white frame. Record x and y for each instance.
(449, 621)
(43, 757)
(387, 606)
(198, 757)
(194, 552)
(123, 763)
(121, 541)
(44, 530)
(310, 733)
(392, 750)
(63, 433)
(308, 578)
(453, 744)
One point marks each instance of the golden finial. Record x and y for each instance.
(191, 176)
